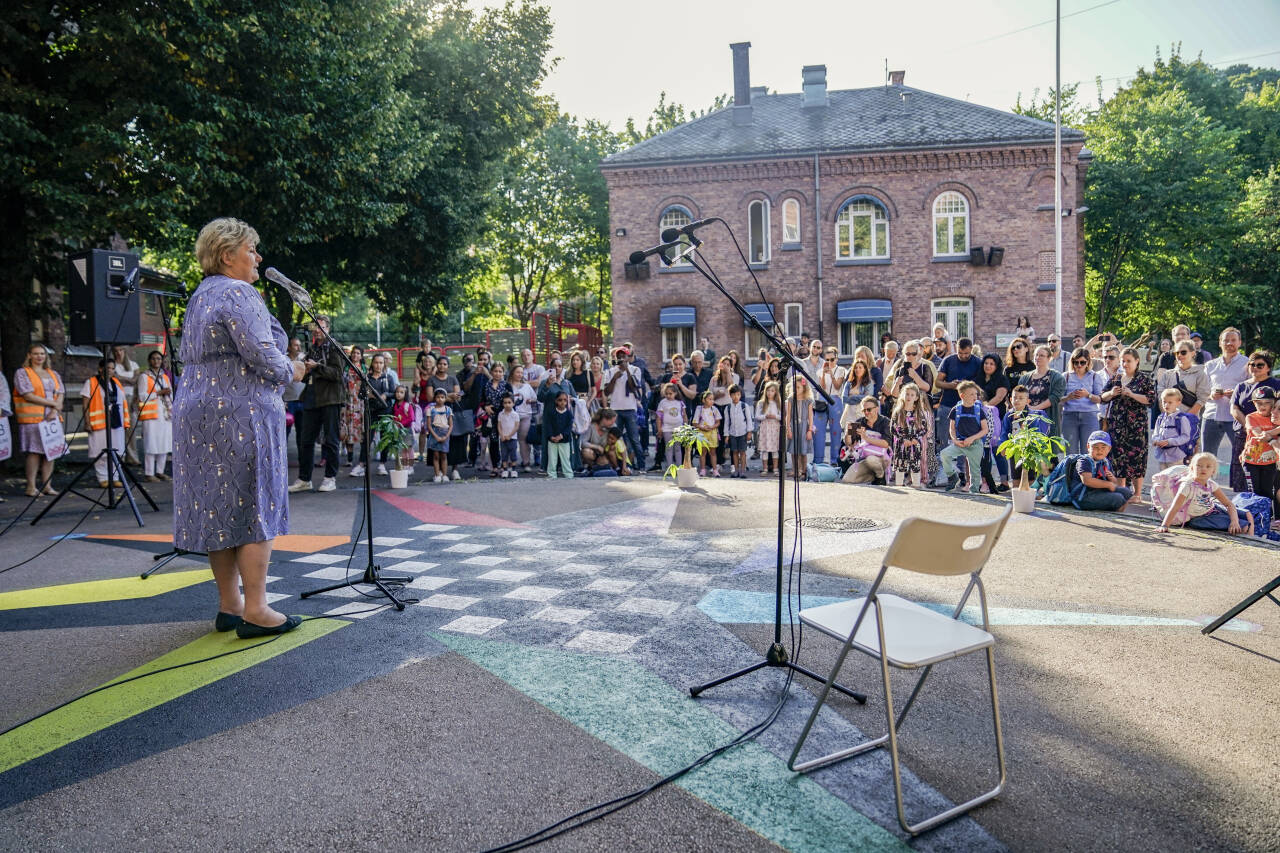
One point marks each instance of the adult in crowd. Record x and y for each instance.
(554, 383)
(526, 402)
(351, 420)
(40, 394)
(230, 465)
(533, 372)
(623, 389)
(103, 396)
(1024, 329)
(1046, 388)
(857, 385)
(580, 376)
(1058, 357)
(1260, 365)
(385, 384)
(913, 368)
(1082, 402)
(702, 379)
(495, 389)
(1168, 356)
(442, 380)
(954, 369)
(813, 357)
(721, 381)
(1191, 381)
(1017, 358)
(1129, 394)
(888, 355)
(1198, 340)
(676, 373)
(870, 436)
(867, 357)
(1225, 372)
(1110, 367)
(6, 406)
(995, 388)
(597, 448)
(830, 377)
(423, 366)
(941, 347)
(759, 373)
(471, 379)
(127, 372)
(708, 354)
(155, 411)
(324, 397)
(797, 419)
(293, 395)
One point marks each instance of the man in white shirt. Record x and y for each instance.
(1058, 357)
(622, 386)
(533, 372)
(830, 377)
(1225, 373)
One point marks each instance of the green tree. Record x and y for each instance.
(1074, 114)
(665, 116)
(1257, 260)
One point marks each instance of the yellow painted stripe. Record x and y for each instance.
(111, 589)
(101, 710)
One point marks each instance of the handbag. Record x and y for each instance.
(1188, 398)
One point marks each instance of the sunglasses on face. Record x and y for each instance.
(1055, 340)
(1019, 346)
(1111, 358)
(1258, 365)
(1079, 361)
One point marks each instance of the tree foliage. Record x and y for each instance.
(1074, 114)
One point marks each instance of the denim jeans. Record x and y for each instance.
(631, 434)
(1105, 499)
(1076, 427)
(827, 425)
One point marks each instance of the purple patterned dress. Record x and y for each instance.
(229, 460)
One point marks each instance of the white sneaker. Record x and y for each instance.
(456, 475)
(382, 470)
(357, 471)
(300, 486)
(514, 474)
(438, 478)
(327, 485)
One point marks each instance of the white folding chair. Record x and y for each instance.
(906, 635)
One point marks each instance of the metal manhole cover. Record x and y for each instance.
(842, 523)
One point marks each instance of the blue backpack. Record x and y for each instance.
(1064, 486)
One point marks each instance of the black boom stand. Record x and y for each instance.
(1264, 592)
(777, 655)
(372, 575)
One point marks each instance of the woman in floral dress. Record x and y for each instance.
(351, 419)
(1130, 393)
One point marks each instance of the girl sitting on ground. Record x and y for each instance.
(1200, 503)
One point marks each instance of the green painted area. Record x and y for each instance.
(643, 717)
(112, 589)
(101, 710)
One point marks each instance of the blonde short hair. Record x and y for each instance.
(1171, 394)
(219, 237)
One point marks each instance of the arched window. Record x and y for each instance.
(951, 224)
(791, 221)
(758, 230)
(862, 230)
(676, 217)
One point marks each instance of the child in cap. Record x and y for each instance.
(1101, 488)
(1258, 456)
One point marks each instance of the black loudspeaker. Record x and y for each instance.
(995, 256)
(977, 257)
(102, 311)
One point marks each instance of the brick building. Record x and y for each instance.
(862, 212)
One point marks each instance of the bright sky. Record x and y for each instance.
(616, 56)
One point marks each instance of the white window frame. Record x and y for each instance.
(692, 340)
(848, 335)
(950, 215)
(791, 231)
(947, 310)
(764, 235)
(798, 330)
(878, 216)
(676, 216)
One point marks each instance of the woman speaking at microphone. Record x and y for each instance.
(230, 465)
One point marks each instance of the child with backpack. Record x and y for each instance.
(439, 418)
(1020, 413)
(967, 424)
(1199, 502)
(738, 428)
(1173, 430)
(1098, 486)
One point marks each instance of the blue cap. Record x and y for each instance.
(1099, 437)
(1197, 335)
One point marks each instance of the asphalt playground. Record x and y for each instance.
(545, 668)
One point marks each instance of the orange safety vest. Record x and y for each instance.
(151, 408)
(33, 413)
(97, 407)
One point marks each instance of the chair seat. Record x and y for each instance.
(917, 636)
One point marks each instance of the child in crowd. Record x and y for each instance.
(1020, 412)
(439, 420)
(769, 419)
(738, 431)
(671, 414)
(967, 424)
(707, 419)
(509, 437)
(1172, 430)
(1200, 502)
(1259, 456)
(618, 448)
(910, 424)
(408, 415)
(557, 425)
(1100, 489)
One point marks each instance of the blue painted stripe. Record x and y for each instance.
(732, 606)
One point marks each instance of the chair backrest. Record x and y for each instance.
(939, 547)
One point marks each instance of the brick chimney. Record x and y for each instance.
(741, 83)
(896, 77)
(814, 85)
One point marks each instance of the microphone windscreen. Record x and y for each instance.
(671, 235)
(637, 258)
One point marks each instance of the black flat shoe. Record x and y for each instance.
(248, 630)
(226, 621)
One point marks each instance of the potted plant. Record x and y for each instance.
(1032, 450)
(394, 438)
(692, 440)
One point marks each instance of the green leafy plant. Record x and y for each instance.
(393, 437)
(692, 440)
(1031, 449)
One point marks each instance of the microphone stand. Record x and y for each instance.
(777, 655)
(372, 574)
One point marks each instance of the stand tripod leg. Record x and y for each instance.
(130, 477)
(1265, 592)
(163, 560)
(373, 577)
(113, 462)
(71, 487)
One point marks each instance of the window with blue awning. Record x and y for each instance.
(761, 311)
(677, 316)
(864, 310)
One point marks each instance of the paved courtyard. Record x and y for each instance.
(545, 666)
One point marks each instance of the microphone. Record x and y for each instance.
(678, 235)
(297, 291)
(636, 257)
(695, 225)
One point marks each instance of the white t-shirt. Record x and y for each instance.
(623, 399)
(1200, 499)
(525, 398)
(508, 423)
(672, 414)
(533, 373)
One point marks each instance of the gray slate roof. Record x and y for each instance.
(855, 120)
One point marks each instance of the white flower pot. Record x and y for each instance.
(686, 478)
(400, 477)
(1024, 500)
